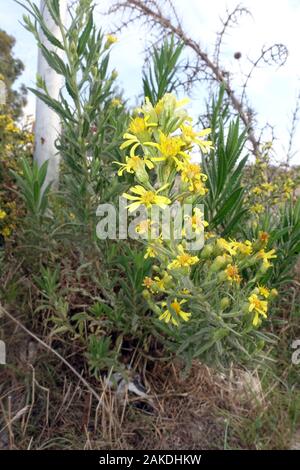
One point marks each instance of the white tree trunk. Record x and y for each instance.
(47, 122)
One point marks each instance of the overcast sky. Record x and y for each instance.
(272, 90)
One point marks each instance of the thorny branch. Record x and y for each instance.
(152, 15)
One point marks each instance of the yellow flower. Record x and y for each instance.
(245, 248)
(116, 102)
(268, 187)
(190, 136)
(150, 252)
(134, 164)
(257, 208)
(2, 214)
(6, 231)
(256, 190)
(169, 147)
(138, 134)
(145, 197)
(11, 128)
(263, 236)
(148, 282)
(175, 313)
(183, 259)
(143, 227)
(232, 273)
(196, 222)
(191, 173)
(164, 282)
(259, 307)
(266, 256)
(198, 187)
(224, 245)
(138, 125)
(111, 39)
(264, 291)
(153, 249)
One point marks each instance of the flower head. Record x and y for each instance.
(145, 197)
(259, 307)
(174, 313)
(192, 137)
(2, 214)
(266, 256)
(170, 148)
(183, 259)
(110, 39)
(232, 273)
(134, 164)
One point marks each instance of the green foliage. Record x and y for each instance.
(283, 228)
(10, 70)
(161, 76)
(224, 168)
(100, 355)
(32, 191)
(92, 119)
(92, 293)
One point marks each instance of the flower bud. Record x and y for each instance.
(224, 303)
(220, 262)
(206, 251)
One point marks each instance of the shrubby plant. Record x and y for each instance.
(215, 293)
(113, 299)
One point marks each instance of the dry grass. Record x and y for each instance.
(44, 407)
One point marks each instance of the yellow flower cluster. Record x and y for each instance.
(159, 144)
(15, 141)
(269, 185)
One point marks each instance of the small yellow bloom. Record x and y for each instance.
(191, 173)
(264, 291)
(268, 187)
(245, 248)
(153, 248)
(192, 137)
(164, 282)
(143, 227)
(138, 125)
(257, 208)
(145, 197)
(263, 236)
(169, 147)
(111, 39)
(259, 307)
(256, 190)
(134, 164)
(6, 231)
(2, 214)
(232, 273)
(138, 135)
(150, 252)
(196, 222)
(183, 259)
(175, 313)
(148, 282)
(224, 245)
(116, 102)
(266, 256)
